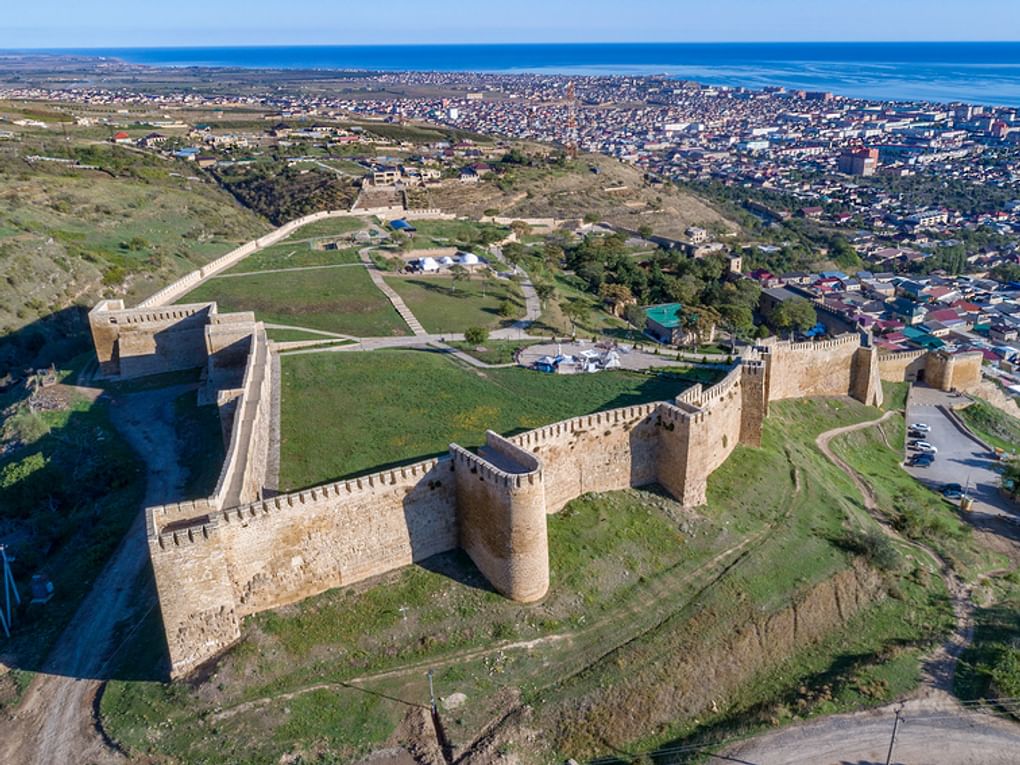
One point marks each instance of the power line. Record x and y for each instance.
(1007, 702)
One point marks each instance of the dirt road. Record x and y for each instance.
(54, 724)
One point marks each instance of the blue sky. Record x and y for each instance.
(87, 23)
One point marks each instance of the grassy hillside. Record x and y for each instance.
(69, 236)
(618, 194)
(644, 596)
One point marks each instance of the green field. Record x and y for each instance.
(293, 255)
(494, 351)
(639, 587)
(444, 307)
(67, 497)
(448, 233)
(342, 300)
(415, 403)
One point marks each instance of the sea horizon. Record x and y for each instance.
(973, 72)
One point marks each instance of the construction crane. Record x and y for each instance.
(571, 121)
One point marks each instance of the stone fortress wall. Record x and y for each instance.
(237, 552)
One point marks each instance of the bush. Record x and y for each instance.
(476, 335)
(1003, 671)
(874, 547)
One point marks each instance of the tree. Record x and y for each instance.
(489, 236)
(577, 311)
(514, 253)
(520, 228)
(738, 320)
(702, 322)
(645, 231)
(458, 274)
(635, 316)
(843, 254)
(507, 309)
(476, 335)
(794, 315)
(545, 291)
(552, 254)
(616, 296)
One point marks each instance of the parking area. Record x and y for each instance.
(960, 459)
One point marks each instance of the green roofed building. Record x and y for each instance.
(667, 324)
(923, 339)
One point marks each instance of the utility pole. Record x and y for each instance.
(432, 695)
(10, 592)
(892, 742)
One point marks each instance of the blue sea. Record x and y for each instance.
(984, 73)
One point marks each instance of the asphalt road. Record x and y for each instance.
(931, 733)
(961, 458)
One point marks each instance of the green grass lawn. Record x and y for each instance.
(442, 306)
(330, 227)
(400, 406)
(494, 351)
(342, 300)
(992, 424)
(638, 588)
(448, 233)
(293, 255)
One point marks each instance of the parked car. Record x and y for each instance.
(922, 460)
(952, 491)
(924, 446)
(922, 427)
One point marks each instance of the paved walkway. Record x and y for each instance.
(532, 305)
(398, 302)
(629, 358)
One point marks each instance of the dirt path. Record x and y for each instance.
(935, 728)
(54, 723)
(940, 667)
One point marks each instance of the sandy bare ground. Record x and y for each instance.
(54, 723)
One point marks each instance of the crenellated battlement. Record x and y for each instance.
(475, 465)
(196, 534)
(237, 552)
(849, 338)
(624, 415)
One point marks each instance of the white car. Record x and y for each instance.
(920, 426)
(924, 446)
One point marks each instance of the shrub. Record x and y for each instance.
(874, 547)
(476, 335)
